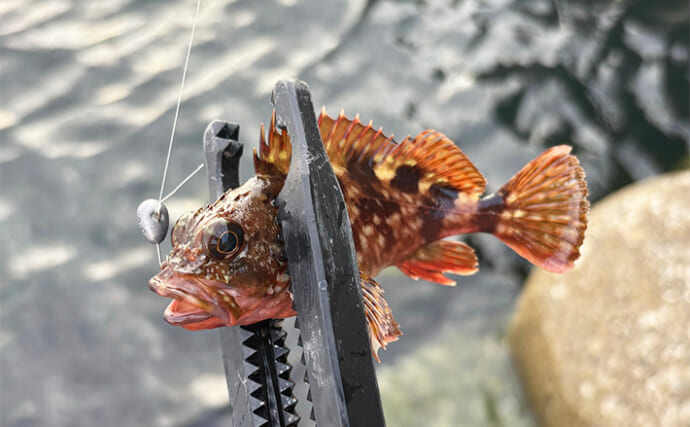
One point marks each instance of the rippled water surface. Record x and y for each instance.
(87, 98)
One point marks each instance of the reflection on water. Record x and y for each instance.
(610, 78)
(621, 79)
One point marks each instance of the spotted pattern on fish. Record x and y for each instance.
(403, 199)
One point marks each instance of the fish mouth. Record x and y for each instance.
(193, 306)
(190, 316)
(199, 303)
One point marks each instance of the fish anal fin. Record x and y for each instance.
(383, 328)
(442, 256)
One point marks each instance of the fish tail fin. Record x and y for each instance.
(541, 213)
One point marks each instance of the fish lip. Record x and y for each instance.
(233, 308)
(184, 319)
(180, 287)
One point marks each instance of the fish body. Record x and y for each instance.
(228, 264)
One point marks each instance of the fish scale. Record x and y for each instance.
(402, 199)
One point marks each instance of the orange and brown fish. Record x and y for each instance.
(228, 264)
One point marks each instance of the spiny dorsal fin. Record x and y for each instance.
(442, 256)
(428, 159)
(274, 154)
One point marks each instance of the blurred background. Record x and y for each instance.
(87, 99)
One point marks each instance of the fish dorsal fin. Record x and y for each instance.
(428, 159)
(274, 154)
(413, 164)
(442, 256)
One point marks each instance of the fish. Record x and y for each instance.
(406, 201)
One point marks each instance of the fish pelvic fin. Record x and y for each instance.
(541, 213)
(383, 328)
(442, 256)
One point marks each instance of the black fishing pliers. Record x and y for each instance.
(325, 284)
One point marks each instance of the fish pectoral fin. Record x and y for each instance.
(442, 256)
(382, 326)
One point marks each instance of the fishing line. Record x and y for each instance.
(157, 212)
(184, 181)
(158, 254)
(161, 210)
(179, 100)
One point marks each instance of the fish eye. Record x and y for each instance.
(224, 239)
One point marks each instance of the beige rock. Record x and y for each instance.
(608, 343)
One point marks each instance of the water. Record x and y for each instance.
(87, 97)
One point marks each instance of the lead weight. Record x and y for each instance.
(153, 220)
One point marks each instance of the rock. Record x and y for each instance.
(458, 379)
(608, 343)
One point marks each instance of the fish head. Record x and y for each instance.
(227, 265)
